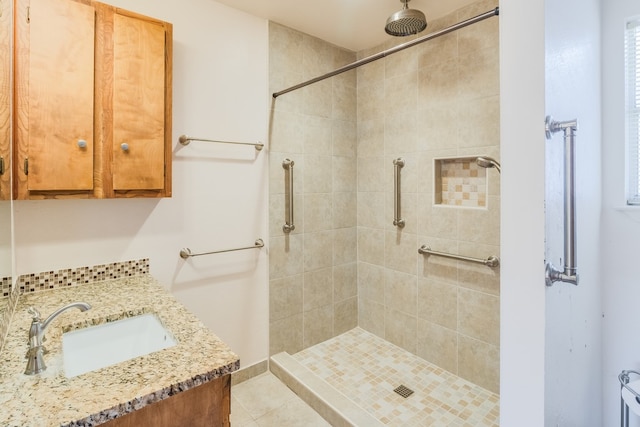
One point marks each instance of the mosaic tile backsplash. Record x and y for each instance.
(462, 183)
(28, 283)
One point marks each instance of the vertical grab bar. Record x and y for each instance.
(288, 226)
(397, 201)
(569, 273)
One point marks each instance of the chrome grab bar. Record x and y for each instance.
(185, 140)
(569, 274)
(288, 226)
(492, 261)
(397, 207)
(186, 252)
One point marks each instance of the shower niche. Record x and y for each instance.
(460, 182)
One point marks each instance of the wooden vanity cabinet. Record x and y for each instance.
(92, 103)
(6, 14)
(207, 405)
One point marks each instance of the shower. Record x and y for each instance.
(406, 22)
(488, 162)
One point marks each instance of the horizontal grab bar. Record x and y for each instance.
(186, 252)
(185, 140)
(491, 261)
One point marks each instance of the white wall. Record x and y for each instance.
(573, 313)
(522, 213)
(219, 191)
(620, 225)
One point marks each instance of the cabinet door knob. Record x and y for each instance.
(82, 143)
(124, 146)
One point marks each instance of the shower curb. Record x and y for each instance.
(332, 405)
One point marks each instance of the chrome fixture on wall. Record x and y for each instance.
(398, 164)
(384, 53)
(569, 273)
(491, 261)
(185, 140)
(405, 22)
(288, 226)
(488, 162)
(186, 252)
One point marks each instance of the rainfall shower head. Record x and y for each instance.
(488, 162)
(406, 22)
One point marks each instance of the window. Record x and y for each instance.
(632, 86)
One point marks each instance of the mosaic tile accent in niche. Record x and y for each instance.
(461, 182)
(5, 286)
(81, 275)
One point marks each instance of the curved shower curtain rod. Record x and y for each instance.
(368, 59)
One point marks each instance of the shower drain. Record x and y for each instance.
(403, 391)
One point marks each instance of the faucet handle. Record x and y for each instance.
(34, 313)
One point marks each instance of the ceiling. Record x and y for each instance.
(352, 24)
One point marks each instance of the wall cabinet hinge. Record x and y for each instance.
(28, 14)
(1, 165)
(26, 166)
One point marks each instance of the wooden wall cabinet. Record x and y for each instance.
(92, 101)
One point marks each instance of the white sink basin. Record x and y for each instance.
(89, 349)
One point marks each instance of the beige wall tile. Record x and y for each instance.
(345, 246)
(371, 280)
(438, 345)
(286, 335)
(318, 250)
(344, 210)
(318, 99)
(318, 289)
(401, 252)
(479, 363)
(344, 101)
(479, 315)
(318, 325)
(317, 56)
(436, 221)
(480, 225)
(371, 209)
(344, 137)
(345, 174)
(371, 316)
(345, 316)
(285, 256)
(401, 94)
(318, 212)
(317, 135)
(401, 292)
(287, 132)
(370, 138)
(371, 245)
(401, 329)
(437, 128)
(479, 74)
(443, 48)
(438, 84)
(479, 122)
(371, 174)
(438, 303)
(285, 49)
(345, 281)
(285, 297)
(370, 102)
(317, 174)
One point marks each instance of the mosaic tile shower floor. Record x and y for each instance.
(367, 369)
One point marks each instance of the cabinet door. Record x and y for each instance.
(138, 104)
(5, 97)
(60, 95)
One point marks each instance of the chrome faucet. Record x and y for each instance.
(35, 360)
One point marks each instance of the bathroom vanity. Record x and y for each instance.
(185, 384)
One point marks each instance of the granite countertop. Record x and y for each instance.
(51, 399)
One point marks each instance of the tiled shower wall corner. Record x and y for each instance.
(436, 100)
(439, 99)
(48, 280)
(312, 282)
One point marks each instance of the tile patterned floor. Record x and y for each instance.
(367, 369)
(263, 401)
